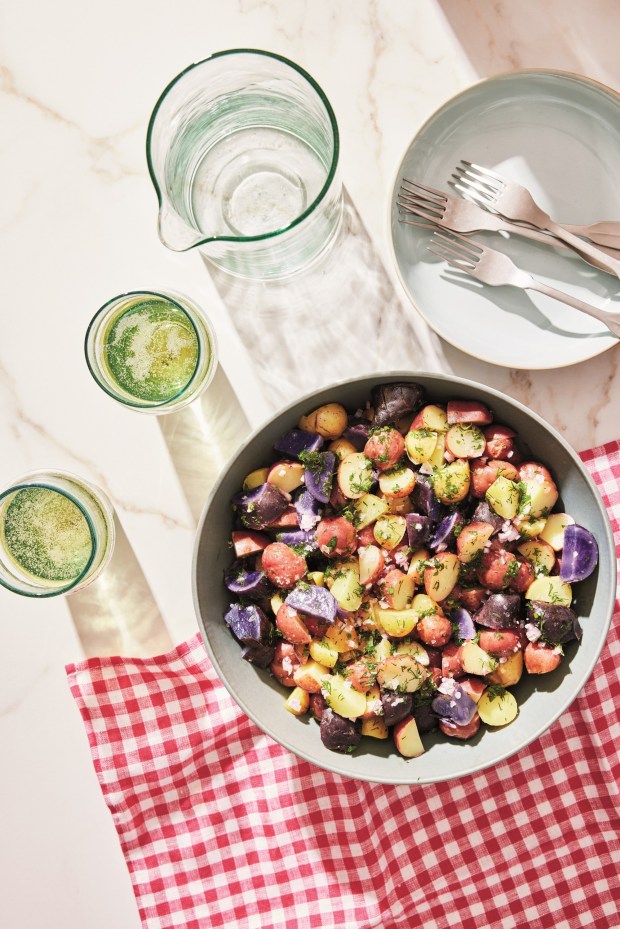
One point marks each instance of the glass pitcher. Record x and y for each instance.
(243, 151)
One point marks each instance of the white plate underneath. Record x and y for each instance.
(559, 135)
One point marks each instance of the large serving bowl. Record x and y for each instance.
(541, 698)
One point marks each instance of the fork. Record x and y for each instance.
(438, 208)
(515, 202)
(494, 268)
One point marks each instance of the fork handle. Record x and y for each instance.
(611, 318)
(585, 249)
(604, 233)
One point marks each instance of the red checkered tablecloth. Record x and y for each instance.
(220, 826)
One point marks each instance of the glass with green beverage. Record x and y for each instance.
(56, 534)
(154, 352)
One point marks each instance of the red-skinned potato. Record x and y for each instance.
(407, 738)
(337, 500)
(289, 519)
(315, 627)
(500, 642)
(541, 658)
(499, 441)
(366, 536)
(441, 576)
(474, 687)
(434, 656)
(431, 417)
(384, 448)
(317, 705)
(461, 732)
(496, 568)
(285, 662)
(471, 598)
(282, 565)
(247, 542)
(483, 474)
(523, 578)
(472, 539)
(468, 411)
(292, 627)
(372, 563)
(336, 536)
(452, 660)
(434, 630)
(396, 588)
(286, 475)
(540, 488)
(361, 674)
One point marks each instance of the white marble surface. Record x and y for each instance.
(77, 225)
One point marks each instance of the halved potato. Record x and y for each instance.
(503, 497)
(451, 482)
(355, 475)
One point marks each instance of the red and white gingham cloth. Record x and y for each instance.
(220, 826)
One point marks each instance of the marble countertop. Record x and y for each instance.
(78, 225)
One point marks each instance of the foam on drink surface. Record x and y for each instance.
(46, 534)
(152, 350)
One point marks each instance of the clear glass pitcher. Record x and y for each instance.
(243, 151)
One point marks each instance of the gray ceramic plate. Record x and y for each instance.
(559, 134)
(541, 699)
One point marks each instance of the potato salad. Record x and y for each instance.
(398, 568)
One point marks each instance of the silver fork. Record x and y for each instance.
(494, 268)
(515, 202)
(435, 207)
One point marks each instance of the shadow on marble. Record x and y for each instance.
(117, 613)
(336, 319)
(567, 35)
(202, 437)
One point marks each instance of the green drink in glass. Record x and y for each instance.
(153, 352)
(56, 534)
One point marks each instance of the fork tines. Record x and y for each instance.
(422, 201)
(460, 252)
(472, 177)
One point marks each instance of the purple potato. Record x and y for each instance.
(465, 624)
(337, 733)
(500, 611)
(261, 506)
(579, 556)
(305, 542)
(319, 474)
(484, 514)
(395, 707)
(308, 509)
(243, 581)
(444, 534)
(393, 401)
(419, 528)
(425, 719)
(558, 624)
(425, 501)
(293, 443)
(357, 433)
(260, 655)
(249, 624)
(315, 601)
(457, 707)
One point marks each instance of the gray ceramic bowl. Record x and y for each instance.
(541, 699)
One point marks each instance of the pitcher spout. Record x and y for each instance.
(175, 233)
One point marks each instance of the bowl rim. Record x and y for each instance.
(388, 377)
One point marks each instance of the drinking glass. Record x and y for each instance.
(243, 149)
(56, 534)
(153, 352)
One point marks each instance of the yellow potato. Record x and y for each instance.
(397, 623)
(346, 588)
(475, 660)
(441, 575)
(553, 533)
(417, 565)
(355, 475)
(416, 650)
(342, 638)
(497, 707)
(529, 528)
(329, 420)
(256, 478)
(316, 577)
(424, 606)
(383, 649)
(550, 590)
(401, 672)
(276, 602)
(368, 509)
(310, 676)
(503, 497)
(437, 459)
(343, 699)
(375, 727)
(298, 702)
(509, 672)
(539, 554)
(324, 653)
(420, 445)
(397, 483)
(451, 482)
(389, 531)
